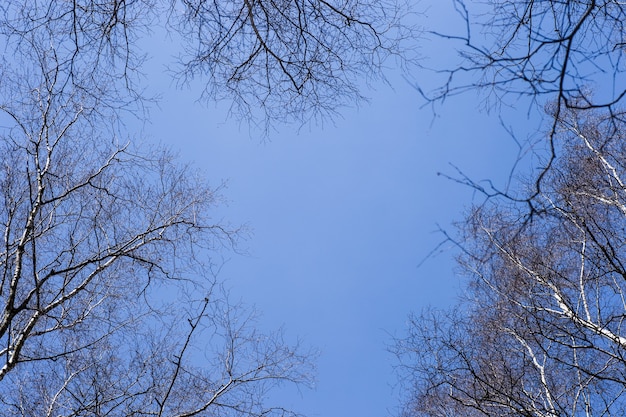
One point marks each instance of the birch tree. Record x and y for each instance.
(540, 329)
(109, 301)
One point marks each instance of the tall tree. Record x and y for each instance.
(109, 305)
(540, 330)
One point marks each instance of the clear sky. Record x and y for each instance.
(342, 215)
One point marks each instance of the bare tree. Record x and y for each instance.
(540, 330)
(108, 301)
(101, 244)
(276, 60)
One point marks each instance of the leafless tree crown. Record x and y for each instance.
(109, 304)
(540, 330)
(298, 59)
(273, 60)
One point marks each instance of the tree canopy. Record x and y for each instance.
(109, 300)
(539, 330)
(273, 60)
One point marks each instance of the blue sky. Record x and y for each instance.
(341, 217)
